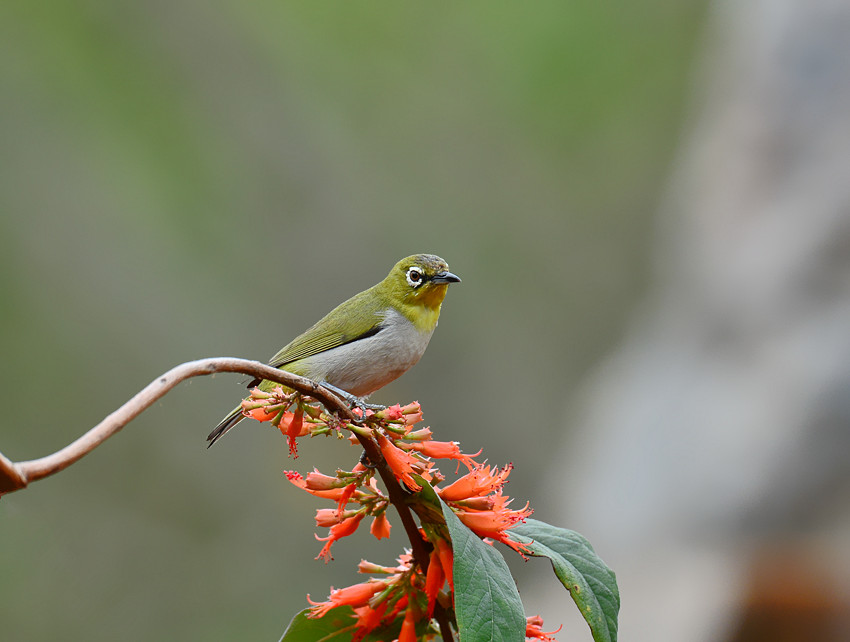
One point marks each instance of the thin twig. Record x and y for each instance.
(14, 476)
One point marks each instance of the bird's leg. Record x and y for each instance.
(355, 402)
(364, 459)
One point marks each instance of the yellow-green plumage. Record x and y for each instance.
(372, 338)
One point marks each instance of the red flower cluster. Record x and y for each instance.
(356, 486)
(479, 502)
(405, 596)
(402, 597)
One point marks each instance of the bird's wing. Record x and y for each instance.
(357, 318)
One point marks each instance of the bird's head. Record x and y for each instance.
(418, 280)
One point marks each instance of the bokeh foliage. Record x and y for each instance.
(188, 179)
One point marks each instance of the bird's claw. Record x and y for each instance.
(364, 459)
(354, 402)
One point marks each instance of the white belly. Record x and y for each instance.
(363, 366)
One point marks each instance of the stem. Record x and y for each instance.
(443, 622)
(398, 498)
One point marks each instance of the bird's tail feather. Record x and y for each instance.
(233, 418)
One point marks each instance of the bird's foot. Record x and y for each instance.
(364, 459)
(354, 402)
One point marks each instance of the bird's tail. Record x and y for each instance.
(233, 418)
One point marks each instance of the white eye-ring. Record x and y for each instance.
(415, 277)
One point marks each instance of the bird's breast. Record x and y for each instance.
(363, 366)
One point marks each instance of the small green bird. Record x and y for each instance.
(370, 340)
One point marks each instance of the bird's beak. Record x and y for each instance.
(445, 277)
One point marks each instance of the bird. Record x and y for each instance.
(369, 340)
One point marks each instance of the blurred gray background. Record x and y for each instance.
(181, 180)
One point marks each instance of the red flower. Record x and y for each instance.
(261, 415)
(399, 606)
(477, 482)
(355, 595)
(401, 463)
(393, 413)
(335, 494)
(319, 481)
(290, 426)
(412, 413)
(434, 580)
(534, 629)
(423, 434)
(494, 523)
(347, 492)
(343, 529)
(476, 503)
(368, 618)
(327, 517)
(366, 566)
(444, 552)
(408, 627)
(380, 526)
(445, 450)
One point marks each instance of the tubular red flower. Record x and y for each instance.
(400, 462)
(399, 606)
(261, 415)
(495, 523)
(368, 618)
(393, 413)
(534, 629)
(347, 492)
(434, 580)
(380, 526)
(408, 627)
(477, 482)
(412, 413)
(319, 481)
(366, 566)
(488, 522)
(291, 425)
(355, 595)
(295, 477)
(423, 434)
(476, 503)
(445, 450)
(343, 529)
(327, 517)
(444, 552)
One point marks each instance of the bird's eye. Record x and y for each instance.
(414, 277)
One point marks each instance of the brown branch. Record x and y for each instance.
(10, 476)
(17, 475)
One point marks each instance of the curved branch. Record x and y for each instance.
(17, 475)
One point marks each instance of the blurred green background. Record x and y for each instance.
(191, 179)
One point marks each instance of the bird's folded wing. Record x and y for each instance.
(350, 321)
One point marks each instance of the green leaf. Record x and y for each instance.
(335, 626)
(591, 583)
(487, 604)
